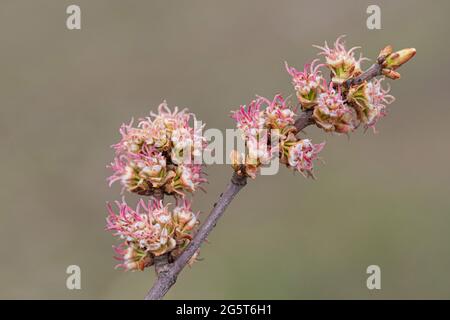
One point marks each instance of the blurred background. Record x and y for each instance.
(380, 199)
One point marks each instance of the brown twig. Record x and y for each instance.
(304, 119)
(372, 72)
(168, 272)
(168, 278)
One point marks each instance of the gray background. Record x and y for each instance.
(380, 199)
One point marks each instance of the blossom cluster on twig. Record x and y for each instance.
(150, 230)
(336, 107)
(156, 157)
(159, 155)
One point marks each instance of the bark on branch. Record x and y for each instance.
(372, 72)
(168, 278)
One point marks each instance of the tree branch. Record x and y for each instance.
(372, 72)
(304, 119)
(168, 272)
(168, 278)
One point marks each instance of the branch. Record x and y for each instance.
(167, 278)
(167, 273)
(306, 117)
(372, 72)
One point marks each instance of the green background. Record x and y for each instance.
(380, 198)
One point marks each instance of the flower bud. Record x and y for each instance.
(396, 59)
(391, 74)
(384, 53)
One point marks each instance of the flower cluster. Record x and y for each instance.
(307, 83)
(370, 101)
(341, 62)
(339, 106)
(158, 156)
(160, 153)
(301, 153)
(342, 105)
(266, 121)
(150, 230)
(331, 114)
(391, 61)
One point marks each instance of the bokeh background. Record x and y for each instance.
(380, 198)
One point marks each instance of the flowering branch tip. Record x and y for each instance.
(160, 155)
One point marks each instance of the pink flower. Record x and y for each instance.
(256, 121)
(249, 118)
(167, 118)
(139, 172)
(131, 258)
(378, 99)
(132, 139)
(278, 114)
(147, 157)
(184, 219)
(341, 62)
(186, 178)
(331, 114)
(150, 230)
(261, 122)
(302, 154)
(307, 83)
(259, 151)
